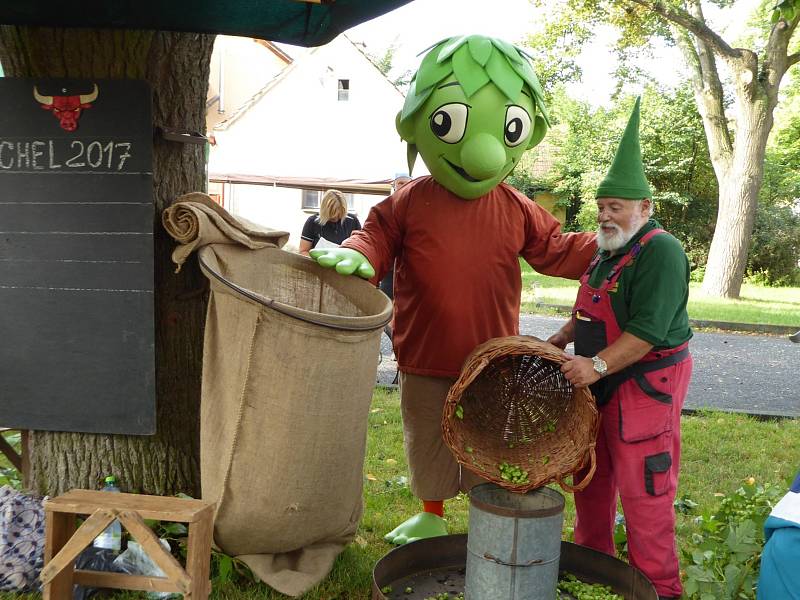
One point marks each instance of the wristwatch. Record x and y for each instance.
(599, 365)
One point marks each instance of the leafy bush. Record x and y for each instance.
(225, 570)
(723, 552)
(775, 246)
(526, 183)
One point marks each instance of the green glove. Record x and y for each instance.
(421, 525)
(346, 261)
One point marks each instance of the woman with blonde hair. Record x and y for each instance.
(332, 223)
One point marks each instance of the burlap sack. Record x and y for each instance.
(290, 362)
(195, 220)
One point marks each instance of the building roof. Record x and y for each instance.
(286, 72)
(255, 98)
(351, 186)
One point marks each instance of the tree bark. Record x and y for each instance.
(738, 201)
(176, 66)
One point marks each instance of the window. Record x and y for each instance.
(312, 198)
(344, 90)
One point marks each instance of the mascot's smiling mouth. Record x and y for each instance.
(461, 171)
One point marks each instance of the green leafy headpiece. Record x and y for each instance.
(474, 61)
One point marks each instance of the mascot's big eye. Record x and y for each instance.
(449, 122)
(518, 125)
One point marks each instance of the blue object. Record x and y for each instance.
(780, 577)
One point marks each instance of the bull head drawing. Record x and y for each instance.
(67, 109)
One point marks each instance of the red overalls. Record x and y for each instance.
(638, 444)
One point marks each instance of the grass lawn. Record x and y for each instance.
(758, 304)
(720, 452)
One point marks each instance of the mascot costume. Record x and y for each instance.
(455, 238)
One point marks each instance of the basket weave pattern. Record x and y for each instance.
(511, 405)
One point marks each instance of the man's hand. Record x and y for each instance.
(559, 339)
(563, 336)
(346, 261)
(580, 372)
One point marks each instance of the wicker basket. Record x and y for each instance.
(514, 419)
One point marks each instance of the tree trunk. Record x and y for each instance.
(727, 257)
(739, 175)
(176, 66)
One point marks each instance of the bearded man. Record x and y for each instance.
(631, 334)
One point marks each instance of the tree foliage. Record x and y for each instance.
(736, 109)
(678, 166)
(775, 245)
(385, 62)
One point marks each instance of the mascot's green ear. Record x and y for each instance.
(539, 130)
(405, 129)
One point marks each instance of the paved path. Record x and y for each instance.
(732, 371)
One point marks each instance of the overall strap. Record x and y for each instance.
(591, 267)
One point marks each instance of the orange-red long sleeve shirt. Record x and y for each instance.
(457, 279)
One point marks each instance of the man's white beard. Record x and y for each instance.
(619, 237)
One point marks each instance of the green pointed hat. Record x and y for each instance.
(626, 179)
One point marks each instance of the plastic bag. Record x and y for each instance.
(135, 561)
(94, 559)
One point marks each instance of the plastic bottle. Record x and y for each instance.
(111, 538)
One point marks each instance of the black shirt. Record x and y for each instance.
(333, 231)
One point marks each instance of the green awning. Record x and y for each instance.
(289, 21)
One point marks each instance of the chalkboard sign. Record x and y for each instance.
(76, 256)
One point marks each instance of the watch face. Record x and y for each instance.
(599, 365)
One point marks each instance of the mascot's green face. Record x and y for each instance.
(473, 108)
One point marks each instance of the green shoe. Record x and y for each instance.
(421, 525)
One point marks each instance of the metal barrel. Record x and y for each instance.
(514, 544)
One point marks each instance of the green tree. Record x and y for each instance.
(176, 66)
(676, 158)
(678, 166)
(775, 244)
(384, 64)
(782, 169)
(574, 149)
(736, 142)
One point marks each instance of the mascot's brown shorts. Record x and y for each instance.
(435, 474)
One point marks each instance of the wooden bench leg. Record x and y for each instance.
(59, 528)
(198, 555)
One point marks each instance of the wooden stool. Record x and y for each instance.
(63, 543)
